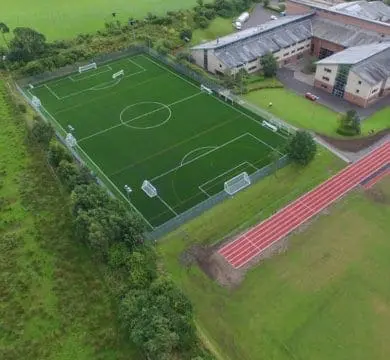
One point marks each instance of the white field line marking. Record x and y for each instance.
(97, 86)
(173, 146)
(111, 93)
(95, 73)
(136, 64)
(198, 157)
(204, 191)
(264, 143)
(102, 172)
(109, 67)
(217, 98)
(195, 150)
(167, 205)
(226, 172)
(138, 117)
(51, 92)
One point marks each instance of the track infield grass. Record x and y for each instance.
(152, 124)
(326, 297)
(67, 19)
(306, 114)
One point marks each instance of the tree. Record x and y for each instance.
(4, 29)
(302, 148)
(42, 131)
(186, 34)
(265, 3)
(349, 124)
(269, 64)
(27, 45)
(57, 153)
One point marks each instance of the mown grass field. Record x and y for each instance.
(66, 19)
(54, 304)
(327, 297)
(153, 124)
(305, 114)
(217, 28)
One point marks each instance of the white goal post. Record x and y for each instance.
(117, 74)
(36, 102)
(206, 89)
(237, 183)
(270, 126)
(70, 140)
(149, 189)
(87, 67)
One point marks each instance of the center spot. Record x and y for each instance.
(145, 115)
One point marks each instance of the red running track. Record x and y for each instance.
(252, 243)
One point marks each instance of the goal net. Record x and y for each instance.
(237, 183)
(206, 89)
(87, 67)
(149, 189)
(70, 140)
(118, 74)
(36, 102)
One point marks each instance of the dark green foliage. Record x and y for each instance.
(158, 319)
(42, 132)
(72, 174)
(349, 124)
(26, 45)
(186, 34)
(57, 153)
(4, 29)
(269, 65)
(302, 148)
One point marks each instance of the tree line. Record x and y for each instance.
(154, 313)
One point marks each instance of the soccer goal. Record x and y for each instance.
(149, 189)
(70, 140)
(36, 102)
(206, 89)
(237, 183)
(87, 67)
(118, 74)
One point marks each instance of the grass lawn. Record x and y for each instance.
(327, 297)
(305, 114)
(296, 110)
(66, 19)
(152, 124)
(378, 121)
(218, 27)
(54, 304)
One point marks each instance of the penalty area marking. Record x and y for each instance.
(162, 107)
(182, 163)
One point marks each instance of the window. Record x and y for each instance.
(220, 65)
(292, 52)
(286, 54)
(359, 82)
(374, 91)
(324, 86)
(327, 70)
(357, 91)
(299, 56)
(300, 48)
(252, 68)
(325, 78)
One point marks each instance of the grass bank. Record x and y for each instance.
(54, 303)
(66, 19)
(325, 298)
(217, 28)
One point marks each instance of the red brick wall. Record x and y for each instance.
(318, 83)
(355, 99)
(319, 43)
(294, 8)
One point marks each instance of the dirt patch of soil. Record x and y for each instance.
(355, 145)
(377, 195)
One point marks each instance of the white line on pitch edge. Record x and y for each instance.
(167, 205)
(51, 91)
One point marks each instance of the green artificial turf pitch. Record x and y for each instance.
(153, 124)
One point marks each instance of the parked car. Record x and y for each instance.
(311, 96)
(273, 17)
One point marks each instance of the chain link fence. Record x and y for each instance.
(190, 75)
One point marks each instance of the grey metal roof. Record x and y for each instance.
(345, 35)
(374, 10)
(356, 54)
(374, 69)
(253, 32)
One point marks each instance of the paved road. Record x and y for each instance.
(259, 16)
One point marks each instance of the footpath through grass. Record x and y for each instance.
(325, 298)
(66, 19)
(306, 114)
(54, 304)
